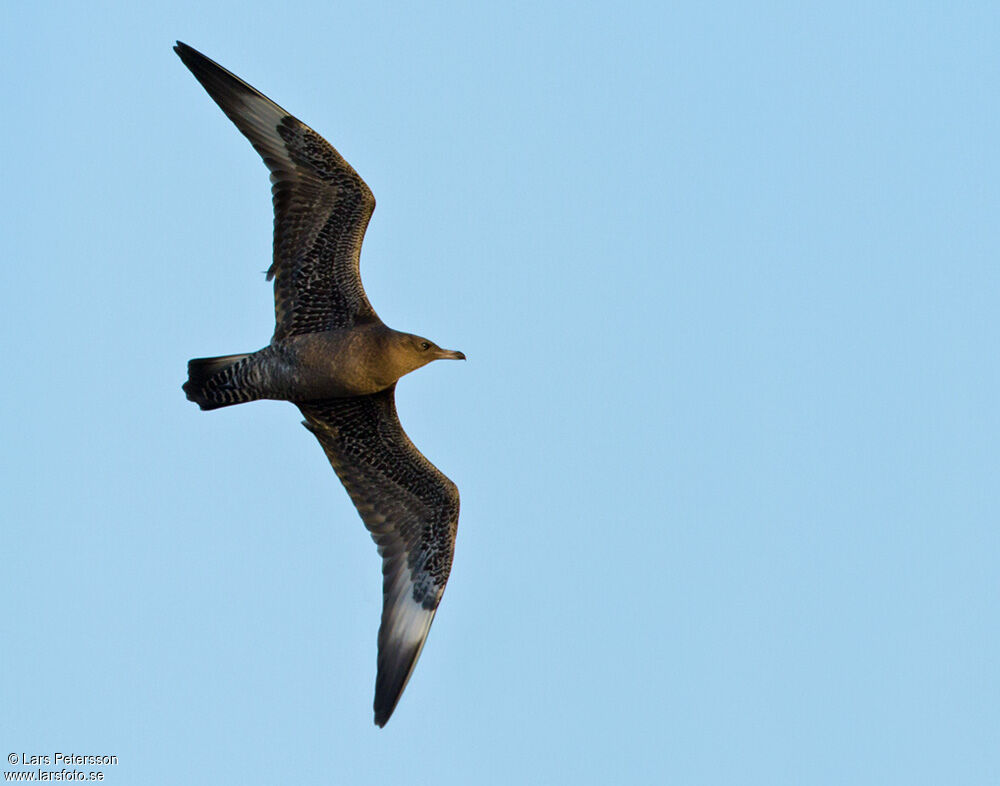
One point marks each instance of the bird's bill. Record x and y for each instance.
(451, 354)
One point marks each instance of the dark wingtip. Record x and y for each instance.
(190, 56)
(200, 65)
(389, 684)
(383, 710)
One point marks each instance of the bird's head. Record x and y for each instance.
(410, 352)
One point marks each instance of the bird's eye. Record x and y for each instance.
(425, 345)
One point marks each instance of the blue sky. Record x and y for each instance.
(727, 438)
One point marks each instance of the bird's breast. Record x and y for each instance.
(339, 364)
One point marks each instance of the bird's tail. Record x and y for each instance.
(221, 382)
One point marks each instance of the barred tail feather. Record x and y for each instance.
(219, 382)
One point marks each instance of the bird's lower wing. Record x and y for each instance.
(411, 510)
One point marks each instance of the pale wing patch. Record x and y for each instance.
(401, 640)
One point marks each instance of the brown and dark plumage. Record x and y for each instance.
(334, 358)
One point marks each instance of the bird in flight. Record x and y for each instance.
(333, 358)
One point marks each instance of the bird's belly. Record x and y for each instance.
(315, 388)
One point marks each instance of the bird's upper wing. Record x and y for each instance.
(411, 510)
(321, 207)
